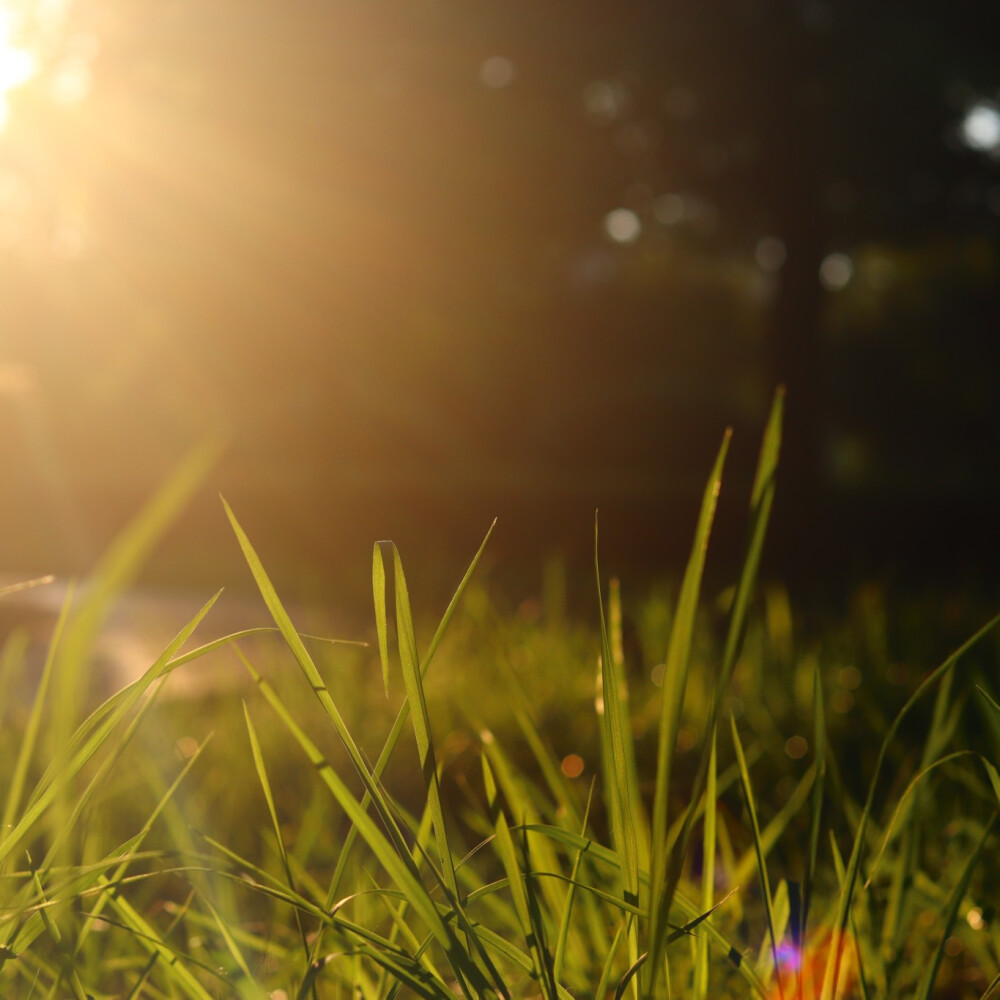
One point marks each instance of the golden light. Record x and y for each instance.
(18, 64)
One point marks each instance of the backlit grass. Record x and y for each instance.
(676, 801)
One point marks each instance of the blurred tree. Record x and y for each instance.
(799, 129)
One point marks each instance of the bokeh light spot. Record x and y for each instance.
(796, 747)
(974, 918)
(622, 225)
(836, 271)
(604, 100)
(497, 72)
(980, 129)
(770, 253)
(842, 701)
(572, 765)
(849, 677)
(669, 209)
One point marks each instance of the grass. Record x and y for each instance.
(513, 808)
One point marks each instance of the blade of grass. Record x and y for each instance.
(950, 912)
(675, 676)
(381, 612)
(69, 973)
(419, 717)
(308, 668)
(708, 871)
(816, 804)
(618, 792)
(399, 866)
(265, 784)
(504, 845)
(761, 500)
(635, 806)
(564, 923)
(761, 865)
(831, 974)
(17, 588)
(401, 716)
(84, 745)
(29, 738)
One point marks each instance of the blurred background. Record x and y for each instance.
(425, 263)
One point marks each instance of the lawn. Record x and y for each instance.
(680, 797)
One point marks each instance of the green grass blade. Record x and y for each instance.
(308, 668)
(17, 588)
(506, 851)
(400, 721)
(761, 864)
(635, 806)
(86, 742)
(816, 804)
(831, 973)
(565, 921)
(381, 612)
(617, 777)
(674, 685)
(29, 740)
(413, 682)
(761, 501)
(265, 784)
(950, 912)
(701, 966)
(65, 961)
(248, 988)
(399, 866)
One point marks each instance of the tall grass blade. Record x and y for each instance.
(769, 908)
(65, 961)
(950, 912)
(17, 588)
(29, 740)
(516, 878)
(400, 721)
(816, 804)
(675, 676)
(265, 784)
(617, 776)
(413, 682)
(832, 971)
(761, 501)
(708, 871)
(308, 668)
(567, 915)
(381, 612)
(89, 738)
(399, 866)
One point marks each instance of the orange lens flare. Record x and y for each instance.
(801, 969)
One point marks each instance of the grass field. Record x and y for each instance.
(682, 798)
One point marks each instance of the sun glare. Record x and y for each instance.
(17, 64)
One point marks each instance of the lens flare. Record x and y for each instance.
(801, 968)
(17, 64)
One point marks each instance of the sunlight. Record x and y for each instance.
(17, 64)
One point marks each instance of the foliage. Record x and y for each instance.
(716, 851)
